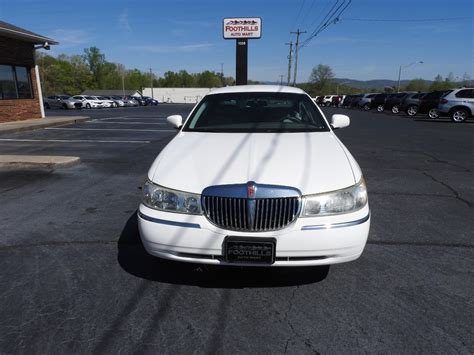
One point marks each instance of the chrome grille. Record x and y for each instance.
(251, 215)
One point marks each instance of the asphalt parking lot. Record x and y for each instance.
(75, 277)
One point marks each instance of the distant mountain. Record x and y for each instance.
(377, 83)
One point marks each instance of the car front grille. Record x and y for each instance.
(251, 215)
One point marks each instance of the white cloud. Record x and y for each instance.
(188, 48)
(123, 22)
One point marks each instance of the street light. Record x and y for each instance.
(400, 72)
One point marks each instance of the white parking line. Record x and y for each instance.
(70, 141)
(111, 129)
(145, 123)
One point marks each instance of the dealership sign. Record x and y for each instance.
(243, 27)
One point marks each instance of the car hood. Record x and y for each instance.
(312, 162)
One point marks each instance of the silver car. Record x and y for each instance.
(61, 101)
(118, 102)
(458, 104)
(364, 101)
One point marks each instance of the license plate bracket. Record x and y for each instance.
(249, 250)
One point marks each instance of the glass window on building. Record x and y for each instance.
(23, 83)
(15, 82)
(7, 83)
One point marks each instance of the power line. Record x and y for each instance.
(297, 16)
(406, 20)
(332, 17)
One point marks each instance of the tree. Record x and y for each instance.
(417, 84)
(321, 77)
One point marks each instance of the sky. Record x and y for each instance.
(187, 34)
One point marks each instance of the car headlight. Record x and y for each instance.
(350, 199)
(163, 199)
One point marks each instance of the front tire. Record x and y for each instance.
(88, 105)
(366, 107)
(395, 109)
(459, 115)
(64, 107)
(380, 108)
(412, 110)
(433, 113)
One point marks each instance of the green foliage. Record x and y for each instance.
(417, 84)
(72, 75)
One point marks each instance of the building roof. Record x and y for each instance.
(11, 31)
(109, 92)
(256, 88)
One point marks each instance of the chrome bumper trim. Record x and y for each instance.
(336, 225)
(169, 223)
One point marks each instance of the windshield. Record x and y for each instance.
(256, 112)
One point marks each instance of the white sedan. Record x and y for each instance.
(255, 176)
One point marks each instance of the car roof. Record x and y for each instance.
(256, 88)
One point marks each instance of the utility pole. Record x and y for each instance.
(222, 74)
(123, 81)
(290, 57)
(298, 33)
(281, 79)
(151, 83)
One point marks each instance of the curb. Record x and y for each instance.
(19, 126)
(37, 161)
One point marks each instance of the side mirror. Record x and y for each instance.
(340, 121)
(175, 120)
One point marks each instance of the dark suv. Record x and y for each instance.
(411, 103)
(378, 102)
(394, 101)
(429, 103)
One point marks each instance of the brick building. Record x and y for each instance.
(20, 88)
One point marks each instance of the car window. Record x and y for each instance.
(89, 98)
(256, 112)
(466, 93)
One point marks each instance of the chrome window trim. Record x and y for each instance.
(336, 225)
(169, 223)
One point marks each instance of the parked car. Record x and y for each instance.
(429, 103)
(149, 101)
(130, 101)
(458, 104)
(105, 102)
(88, 101)
(355, 100)
(117, 100)
(61, 101)
(364, 101)
(320, 100)
(347, 101)
(378, 102)
(411, 103)
(257, 211)
(141, 101)
(336, 99)
(327, 100)
(394, 101)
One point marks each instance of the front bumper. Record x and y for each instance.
(308, 241)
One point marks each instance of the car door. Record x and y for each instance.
(465, 98)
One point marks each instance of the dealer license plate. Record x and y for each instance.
(250, 250)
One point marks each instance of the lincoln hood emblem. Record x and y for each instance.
(251, 190)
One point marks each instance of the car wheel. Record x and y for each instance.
(114, 104)
(88, 105)
(433, 113)
(412, 110)
(459, 115)
(46, 106)
(328, 104)
(380, 108)
(64, 106)
(366, 107)
(395, 109)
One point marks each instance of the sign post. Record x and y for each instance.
(241, 29)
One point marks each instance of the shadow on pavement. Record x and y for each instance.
(133, 258)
